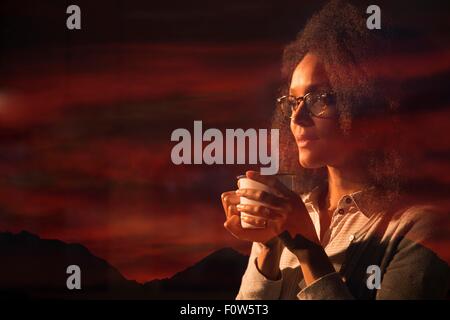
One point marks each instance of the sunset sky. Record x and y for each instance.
(86, 118)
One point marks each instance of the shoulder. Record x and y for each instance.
(419, 222)
(424, 224)
(420, 214)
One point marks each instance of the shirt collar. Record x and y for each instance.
(367, 200)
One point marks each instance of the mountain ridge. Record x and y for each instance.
(36, 268)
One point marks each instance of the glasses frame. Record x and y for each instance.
(322, 94)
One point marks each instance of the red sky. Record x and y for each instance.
(86, 146)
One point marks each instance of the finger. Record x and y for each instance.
(229, 197)
(232, 210)
(224, 198)
(233, 225)
(262, 196)
(255, 221)
(270, 181)
(260, 211)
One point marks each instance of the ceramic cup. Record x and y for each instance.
(246, 183)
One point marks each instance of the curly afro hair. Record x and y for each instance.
(338, 35)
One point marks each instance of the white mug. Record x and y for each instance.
(246, 183)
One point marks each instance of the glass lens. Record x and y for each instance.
(321, 105)
(287, 104)
(318, 104)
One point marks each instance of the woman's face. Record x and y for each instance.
(326, 144)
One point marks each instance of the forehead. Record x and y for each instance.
(308, 76)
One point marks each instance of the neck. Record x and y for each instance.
(344, 180)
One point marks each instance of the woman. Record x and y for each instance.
(349, 233)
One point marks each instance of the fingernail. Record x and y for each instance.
(239, 192)
(239, 206)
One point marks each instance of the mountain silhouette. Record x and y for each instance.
(217, 276)
(35, 268)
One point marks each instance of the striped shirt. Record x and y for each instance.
(359, 221)
(346, 220)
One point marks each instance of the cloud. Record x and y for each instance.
(85, 146)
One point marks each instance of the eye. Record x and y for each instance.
(321, 105)
(310, 99)
(287, 104)
(319, 108)
(327, 98)
(292, 103)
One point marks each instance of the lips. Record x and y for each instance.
(305, 138)
(304, 141)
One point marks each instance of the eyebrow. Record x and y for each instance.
(313, 87)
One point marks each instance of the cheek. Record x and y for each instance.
(333, 145)
(327, 129)
(330, 134)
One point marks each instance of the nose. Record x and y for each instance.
(302, 116)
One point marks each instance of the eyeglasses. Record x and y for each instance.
(317, 104)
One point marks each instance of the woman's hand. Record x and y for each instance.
(266, 236)
(288, 224)
(285, 213)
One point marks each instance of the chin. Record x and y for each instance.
(308, 160)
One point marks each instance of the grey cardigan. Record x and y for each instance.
(406, 244)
